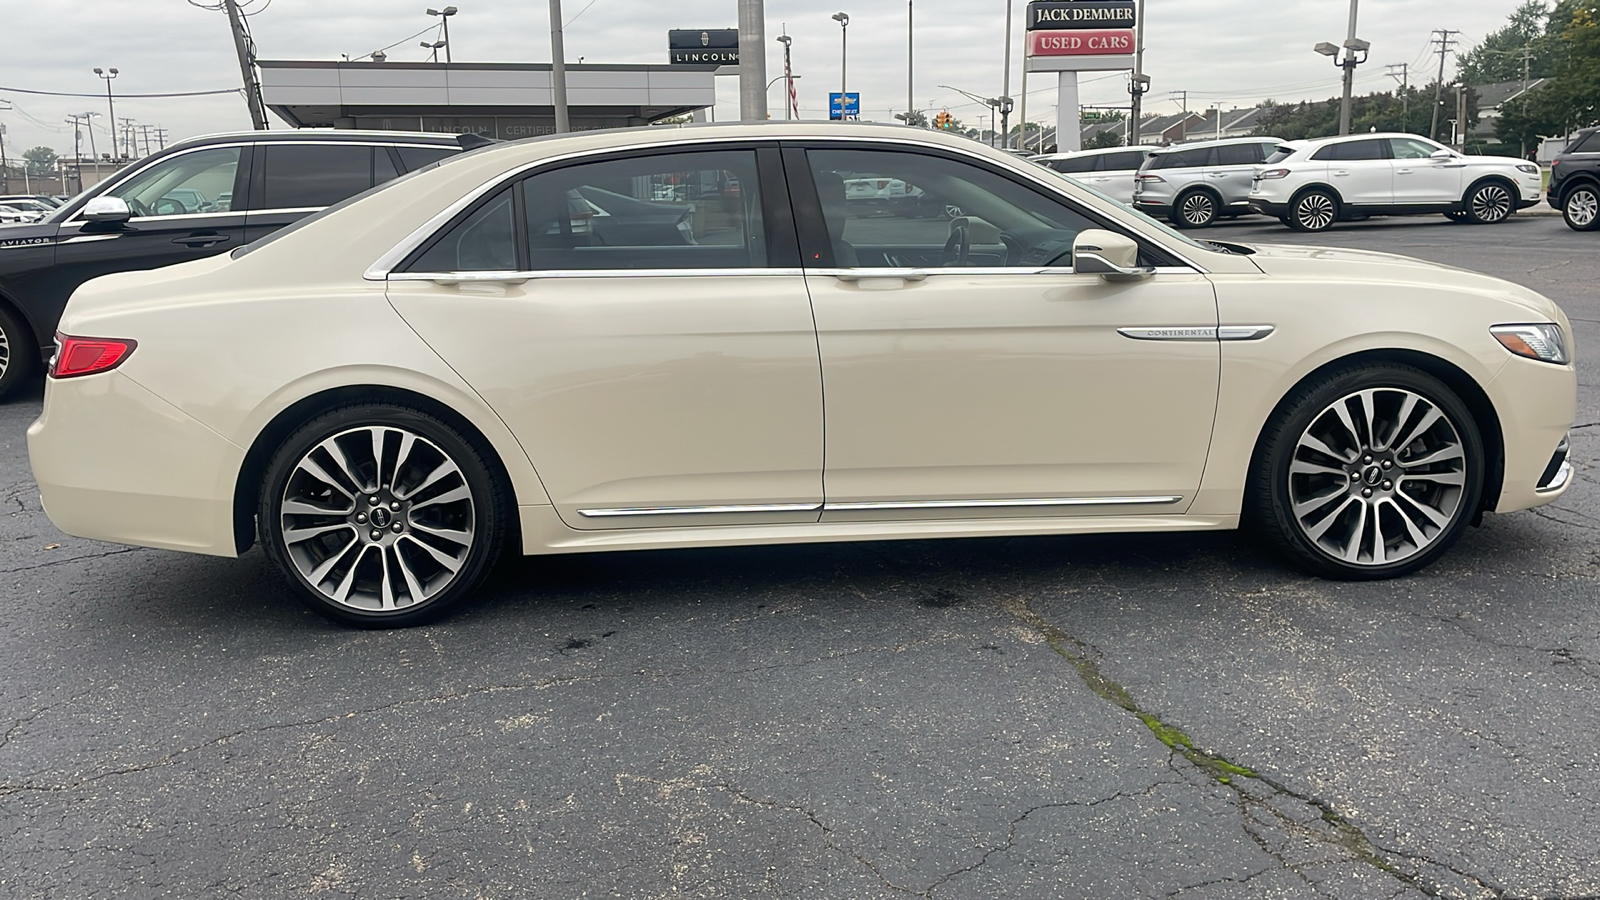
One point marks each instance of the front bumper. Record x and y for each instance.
(1535, 402)
(116, 463)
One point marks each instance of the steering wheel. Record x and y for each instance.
(956, 247)
(168, 206)
(139, 209)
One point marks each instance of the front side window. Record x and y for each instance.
(1411, 148)
(298, 176)
(200, 181)
(693, 210)
(1182, 159)
(934, 211)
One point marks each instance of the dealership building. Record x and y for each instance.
(505, 101)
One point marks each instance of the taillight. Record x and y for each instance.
(1148, 178)
(1272, 173)
(85, 356)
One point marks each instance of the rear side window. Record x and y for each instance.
(1589, 143)
(1238, 154)
(414, 158)
(1182, 159)
(1073, 165)
(1371, 148)
(315, 175)
(1279, 154)
(1124, 162)
(485, 241)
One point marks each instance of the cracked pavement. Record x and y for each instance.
(1119, 716)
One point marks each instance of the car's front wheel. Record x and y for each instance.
(1371, 472)
(1489, 203)
(16, 351)
(1196, 209)
(1581, 209)
(381, 516)
(1314, 210)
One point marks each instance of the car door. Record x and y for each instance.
(1420, 179)
(1117, 180)
(163, 230)
(1234, 170)
(292, 179)
(987, 379)
(1361, 171)
(646, 335)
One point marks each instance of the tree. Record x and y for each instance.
(1499, 57)
(1406, 110)
(41, 161)
(1111, 138)
(1571, 98)
(915, 117)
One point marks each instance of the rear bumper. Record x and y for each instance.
(1154, 208)
(1269, 208)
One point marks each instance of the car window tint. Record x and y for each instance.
(1073, 165)
(1124, 162)
(1589, 143)
(301, 175)
(1182, 159)
(482, 242)
(1370, 148)
(189, 183)
(1410, 148)
(1237, 155)
(666, 211)
(382, 166)
(417, 157)
(896, 209)
(1279, 154)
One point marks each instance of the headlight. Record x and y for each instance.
(1530, 169)
(1542, 342)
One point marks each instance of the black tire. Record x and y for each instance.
(1287, 222)
(420, 525)
(1490, 202)
(1581, 208)
(1314, 210)
(1369, 484)
(1194, 209)
(17, 354)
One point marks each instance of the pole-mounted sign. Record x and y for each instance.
(703, 46)
(844, 106)
(1056, 14)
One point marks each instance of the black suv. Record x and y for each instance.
(1575, 181)
(196, 198)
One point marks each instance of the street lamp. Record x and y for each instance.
(788, 86)
(110, 106)
(1352, 46)
(444, 16)
(844, 32)
(434, 46)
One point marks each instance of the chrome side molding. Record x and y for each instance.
(1197, 332)
(873, 505)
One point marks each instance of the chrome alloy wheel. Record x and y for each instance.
(1377, 477)
(1491, 203)
(1583, 206)
(1315, 211)
(377, 518)
(5, 352)
(1198, 209)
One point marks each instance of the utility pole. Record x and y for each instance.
(129, 138)
(558, 69)
(910, 51)
(92, 148)
(1525, 54)
(1461, 116)
(77, 150)
(1183, 125)
(111, 107)
(161, 138)
(1139, 83)
(1005, 86)
(246, 50)
(1445, 42)
(753, 65)
(1405, 97)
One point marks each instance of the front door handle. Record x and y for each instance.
(201, 240)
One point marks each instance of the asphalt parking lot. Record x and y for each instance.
(1124, 716)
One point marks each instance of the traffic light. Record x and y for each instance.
(944, 120)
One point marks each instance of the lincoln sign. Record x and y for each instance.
(703, 46)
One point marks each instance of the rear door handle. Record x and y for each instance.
(201, 240)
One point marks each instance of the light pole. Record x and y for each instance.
(753, 65)
(434, 46)
(788, 82)
(844, 56)
(444, 16)
(788, 78)
(1005, 85)
(110, 106)
(990, 102)
(1139, 83)
(911, 104)
(1352, 46)
(558, 69)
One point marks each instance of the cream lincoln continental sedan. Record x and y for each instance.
(692, 337)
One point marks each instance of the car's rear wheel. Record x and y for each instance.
(1371, 472)
(1489, 203)
(381, 516)
(1581, 209)
(1314, 210)
(1195, 209)
(17, 356)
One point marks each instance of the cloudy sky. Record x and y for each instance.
(1232, 52)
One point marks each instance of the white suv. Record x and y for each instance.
(1309, 185)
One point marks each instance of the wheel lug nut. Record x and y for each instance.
(374, 500)
(1366, 492)
(1366, 459)
(361, 518)
(1388, 464)
(398, 528)
(394, 506)
(376, 534)
(1388, 485)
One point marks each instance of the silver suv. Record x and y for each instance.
(1195, 184)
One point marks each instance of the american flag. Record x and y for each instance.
(794, 101)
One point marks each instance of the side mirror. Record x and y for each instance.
(1441, 155)
(107, 209)
(1112, 256)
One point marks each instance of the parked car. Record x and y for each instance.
(1575, 181)
(48, 201)
(1310, 185)
(34, 205)
(178, 205)
(401, 387)
(1194, 185)
(10, 215)
(1111, 171)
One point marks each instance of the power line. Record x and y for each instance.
(99, 96)
(1445, 42)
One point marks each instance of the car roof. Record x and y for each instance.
(1224, 142)
(1337, 138)
(335, 135)
(1098, 151)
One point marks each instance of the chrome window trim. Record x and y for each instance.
(699, 510)
(999, 504)
(511, 276)
(384, 265)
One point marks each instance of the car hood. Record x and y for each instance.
(1294, 261)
